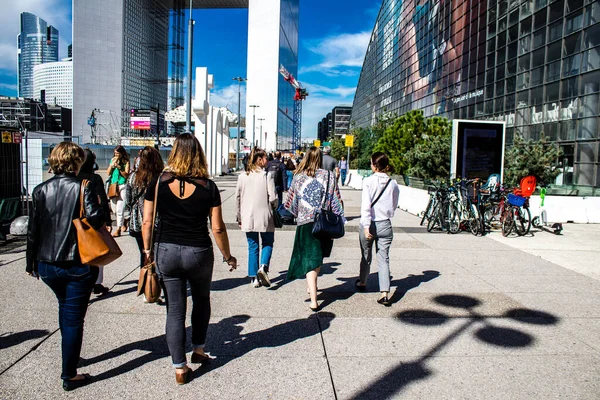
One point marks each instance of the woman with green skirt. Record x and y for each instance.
(305, 197)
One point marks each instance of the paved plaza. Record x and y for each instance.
(473, 318)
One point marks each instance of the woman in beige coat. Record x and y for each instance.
(256, 200)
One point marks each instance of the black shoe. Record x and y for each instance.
(385, 301)
(99, 289)
(359, 287)
(74, 384)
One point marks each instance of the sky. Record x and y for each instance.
(334, 35)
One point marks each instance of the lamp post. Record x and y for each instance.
(239, 79)
(188, 110)
(253, 121)
(260, 140)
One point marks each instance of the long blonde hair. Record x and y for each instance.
(187, 158)
(255, 155)
(311, 163)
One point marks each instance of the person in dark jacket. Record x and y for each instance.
(87, 172)
(54, 256)
(276, 167)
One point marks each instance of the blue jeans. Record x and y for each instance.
(290, 177)
(343, 173)
(267, 239)
(177, 265)
(72, 286)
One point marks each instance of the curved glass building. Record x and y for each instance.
(532, 63)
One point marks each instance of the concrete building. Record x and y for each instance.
(129, 67)
(37, 43)
(337, 123)
(55, 81)
(533, 64)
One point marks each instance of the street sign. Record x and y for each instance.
(317, 143)
(6, 137)
(326, 144)
(349, 140)
(17, 138)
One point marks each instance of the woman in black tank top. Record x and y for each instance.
(182, 246)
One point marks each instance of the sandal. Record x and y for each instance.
(385, 301)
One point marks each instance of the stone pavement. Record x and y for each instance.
(473, 318)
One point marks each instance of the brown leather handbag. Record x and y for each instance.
(96, 246)
(149, 283)
(113, 190)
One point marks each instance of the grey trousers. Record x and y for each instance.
(383, 235)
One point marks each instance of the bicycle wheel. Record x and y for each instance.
(507, 220)
(433, 219)
(426, 212)
(527, 216)
(453, 219)
(474, 221)
(519, 220)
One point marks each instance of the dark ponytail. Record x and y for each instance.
(382, 162)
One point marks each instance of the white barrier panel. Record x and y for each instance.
(582, 210)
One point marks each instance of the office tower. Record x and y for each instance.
(37, 43)
(55, 81)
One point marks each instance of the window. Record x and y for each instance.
(553, 71)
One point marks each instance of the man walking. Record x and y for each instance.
(343, 167)
(330, 163)
(277, 168)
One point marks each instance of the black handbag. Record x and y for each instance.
(328, 225)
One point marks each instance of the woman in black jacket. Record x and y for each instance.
(87, 172)
(54, 256)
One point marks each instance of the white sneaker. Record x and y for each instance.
(255, 283)
(263, 276)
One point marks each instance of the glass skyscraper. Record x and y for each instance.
(288, 57)
(532, 63)
(37, 43)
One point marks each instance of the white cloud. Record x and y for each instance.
(321, 101)
(8, 86)
(341, 55)
(55, 12)
(228, 97)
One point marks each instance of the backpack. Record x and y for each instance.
(275, 168)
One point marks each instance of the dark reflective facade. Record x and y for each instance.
(34, 47)
(532, 63)
(288, 57)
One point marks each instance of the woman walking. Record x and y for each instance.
(118, 171)
(149, 168)
(306, 196)
(256, 199)
(53, 253)
(343, 167)
(379, 202)
(88, 172)
(183, 249)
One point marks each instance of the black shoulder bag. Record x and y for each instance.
(327, 224)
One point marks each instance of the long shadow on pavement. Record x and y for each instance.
(394, 381)
(225, 340)
(10, 339)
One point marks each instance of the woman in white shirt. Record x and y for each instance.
(379, 202)
(255, 202)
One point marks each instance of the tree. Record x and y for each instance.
(400, 137)
(527, 157)
(431, 158)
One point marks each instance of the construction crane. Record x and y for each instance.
(300, 94)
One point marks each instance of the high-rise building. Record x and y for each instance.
(130, 69)
(54, 82)
(336, 123)
(272, 42)
(70, 51)
(37, 43)
(532, 63)
(121, 59)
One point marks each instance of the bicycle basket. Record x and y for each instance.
(515, 200)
